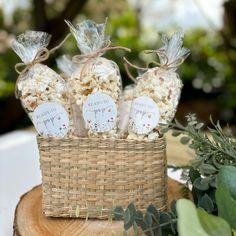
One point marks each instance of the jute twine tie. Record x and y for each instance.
(166, 66)
(85, 59)
(42, 55)
(174, 64)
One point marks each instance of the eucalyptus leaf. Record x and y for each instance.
(200, 185)
(193, 174)
(207, 180)
(139, 217)
(213, 225)
(165, 130)
(176, 133)
(206, 203)
(173, 207)
(153, 211)
(127, 216)
(128, 220)
(148, 219)
(194, 145)
(144, 226)
(128, 225)
(184, 140)
(164, 217)
(132, 209)
(119, 212)
(208, 169)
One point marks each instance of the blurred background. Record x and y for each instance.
(209, 74)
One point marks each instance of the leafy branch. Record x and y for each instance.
(154, 222)
(195, 221)
(215, 158)
(212, 151)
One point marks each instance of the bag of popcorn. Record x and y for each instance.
(95, 86)
(158, 90)
(41, 90)
(68, 67)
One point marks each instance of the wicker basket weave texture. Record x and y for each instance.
(87, 177)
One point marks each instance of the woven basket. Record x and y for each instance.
(88, 177)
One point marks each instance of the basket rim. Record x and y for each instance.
(41, 138)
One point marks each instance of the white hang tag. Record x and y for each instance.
(100, 112)
(144, 115)
(51, 120)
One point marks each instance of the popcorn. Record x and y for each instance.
(162, 84)
(153, 135)
(38, 83)
(164, 87)
(94, 73)
(44, 85)
(99, 75)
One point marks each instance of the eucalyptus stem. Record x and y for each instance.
(161, 225)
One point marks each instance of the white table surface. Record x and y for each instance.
(19, 172)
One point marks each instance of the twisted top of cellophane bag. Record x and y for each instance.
(172, 54)
(28, 44)
(90, 36)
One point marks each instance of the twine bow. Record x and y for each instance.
(86, 58)
(42, 55)
(166, 66)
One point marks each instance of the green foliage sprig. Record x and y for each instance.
(194, 221)
(212, 174)
(203, 192)
(212, 151)
(153, 222)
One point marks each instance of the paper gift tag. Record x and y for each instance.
(144, 115)
(51, 120)
(100, 112)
